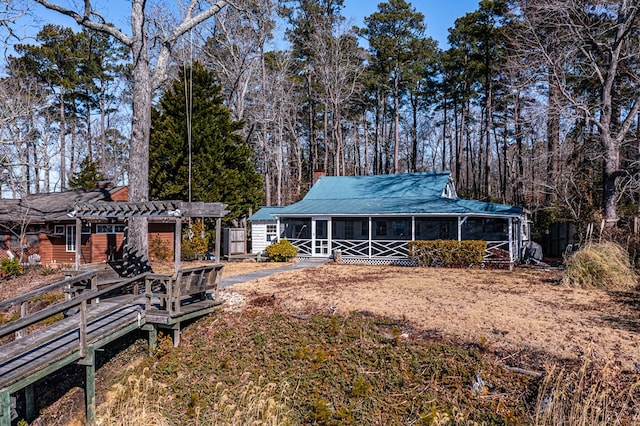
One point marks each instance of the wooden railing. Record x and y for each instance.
(170, 289)
(21, 326)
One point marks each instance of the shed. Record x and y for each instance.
(263, 228)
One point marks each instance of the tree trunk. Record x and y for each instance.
(140, 128)
(553, 139)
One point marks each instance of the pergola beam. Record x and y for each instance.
(155, 210)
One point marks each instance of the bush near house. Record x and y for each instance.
(447, 253)
(10, 267)
(282, 251)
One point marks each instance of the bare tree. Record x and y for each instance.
(338, 66)
(24, 125)
(597, 43)
(147, 76)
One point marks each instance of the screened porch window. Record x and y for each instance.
(296, 229)
(349, 229)
(488, 229)
(436, 228)
(392, 229)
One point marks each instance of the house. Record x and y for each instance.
(40, 228)
(372, 218)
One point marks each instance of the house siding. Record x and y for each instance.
(164, 231)
(258, 237)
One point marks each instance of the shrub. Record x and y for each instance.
(159, 249)
(195, 245)
(449, 253)
(10, 267)
(282, 251)
(600, 265)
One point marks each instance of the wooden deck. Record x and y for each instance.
(93, 316)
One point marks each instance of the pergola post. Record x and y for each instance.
(78, 241)
(218, 238)
(177, 244)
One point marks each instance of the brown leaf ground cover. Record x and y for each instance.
(520, 318)
(522, 315)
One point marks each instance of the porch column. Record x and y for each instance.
(277, 229)
(413, 228)
(370, 234)
(511, 256)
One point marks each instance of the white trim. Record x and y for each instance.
(70, 238)
(110, 228)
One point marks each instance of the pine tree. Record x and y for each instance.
(87, 177)
(221, 167)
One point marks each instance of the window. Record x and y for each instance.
(272, 233)
(58, 229)
(86, 228)
(71, 238)
(103, 228)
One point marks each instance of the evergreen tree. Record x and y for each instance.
(217, 160)
(87, 177)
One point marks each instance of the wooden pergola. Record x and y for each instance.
(157, 211)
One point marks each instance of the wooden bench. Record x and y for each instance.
(171, 289)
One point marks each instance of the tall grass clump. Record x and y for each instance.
(600, 265)
(136, 401)
(595, 395)
(140, 400)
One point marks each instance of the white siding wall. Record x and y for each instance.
(258, 237)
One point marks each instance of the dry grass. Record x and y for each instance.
(523, 314)
(594, 395)
(602, 265)
(137, 401)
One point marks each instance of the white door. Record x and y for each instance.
(320, 237)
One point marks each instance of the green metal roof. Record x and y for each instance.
(415, 185)
(265, 213)
(401, 194)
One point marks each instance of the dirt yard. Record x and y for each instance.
(523, 316)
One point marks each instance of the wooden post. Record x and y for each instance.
(176, 334)
(218, 238)
(23, 313)
(30, 403)
(5, 408)
(83, 329)
(153, 337)
(90, 385)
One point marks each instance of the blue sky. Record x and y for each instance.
(440, 15)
